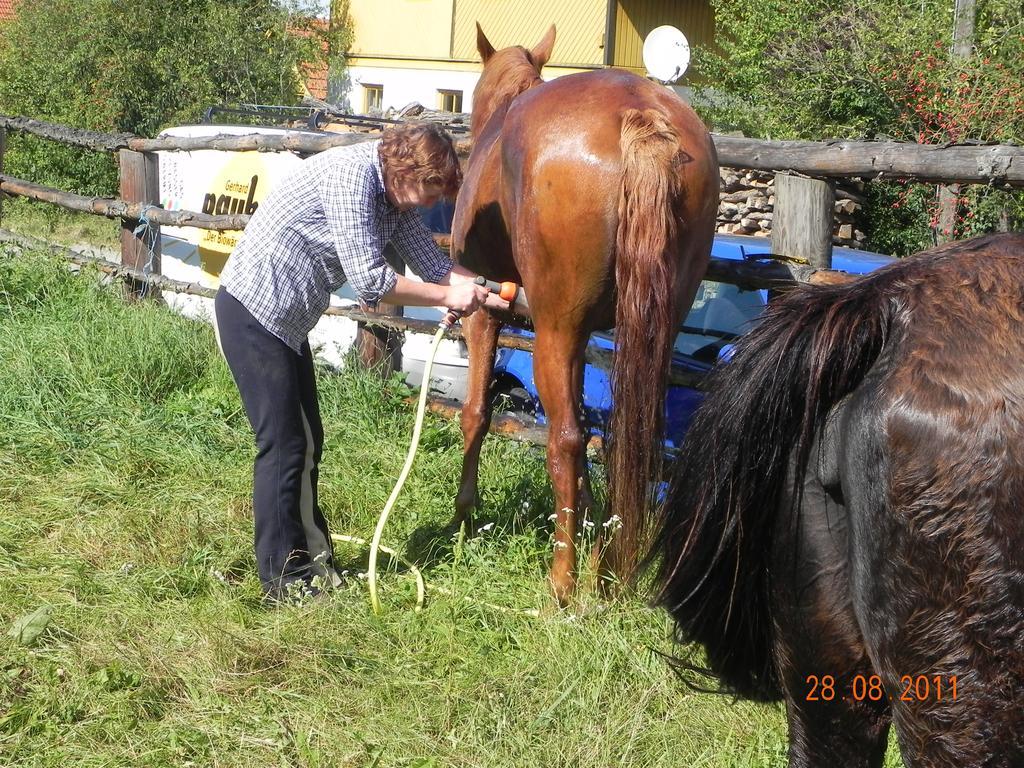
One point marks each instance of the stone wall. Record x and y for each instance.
(748, 197)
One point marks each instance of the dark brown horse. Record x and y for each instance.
(846, 529)
(597, 193)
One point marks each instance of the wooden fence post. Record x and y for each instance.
(380, 349)
(140, 183)
(948, 197)
(3, 148)
(949, 211)
(802, 220)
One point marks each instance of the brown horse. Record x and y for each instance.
(846, 529)
(597, 193)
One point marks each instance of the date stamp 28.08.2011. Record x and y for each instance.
(911, 688)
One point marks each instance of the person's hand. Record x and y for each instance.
(494, 301)
(465, 298)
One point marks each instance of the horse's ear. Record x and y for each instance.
(483, 45)
(542, 51)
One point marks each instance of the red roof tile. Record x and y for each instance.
(7, 9)
(316, 81)
(314, 77)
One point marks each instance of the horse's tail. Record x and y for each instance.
(645, 319)
(756, 426)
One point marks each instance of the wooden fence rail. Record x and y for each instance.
(303, 142)
(994, 164)
(598, 357)
(1001, 165)
(113, 208)
(755, 274)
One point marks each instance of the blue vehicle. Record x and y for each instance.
(721, 312)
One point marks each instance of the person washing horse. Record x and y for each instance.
(324, 224)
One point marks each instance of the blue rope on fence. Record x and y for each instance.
(148, 232)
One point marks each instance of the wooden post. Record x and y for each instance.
(3, 148)
(802, 221)
(140, 183)
(380, 349)
(948, 213)
(964, 13)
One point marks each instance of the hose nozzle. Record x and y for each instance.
(510, 292)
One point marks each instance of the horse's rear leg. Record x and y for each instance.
(585, 507)
(842, 731)
(556, 357)
(838, 712)
(481, 333)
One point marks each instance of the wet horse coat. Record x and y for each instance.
(849, 505)
(597, 193)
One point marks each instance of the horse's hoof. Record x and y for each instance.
(465, 510)
(456, 525)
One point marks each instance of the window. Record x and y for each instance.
(720, 313)
(449, 101)
(373, 97)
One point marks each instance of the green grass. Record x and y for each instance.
(124, 482)
(57, 225)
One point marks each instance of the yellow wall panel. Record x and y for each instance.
(634, 19)
(413, 28)
(446, 29)
(580, 27)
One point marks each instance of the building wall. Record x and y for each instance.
(634, 19)
(417, 29)
(413, 48)
(408, 81)
(580, 28)
(405, 81)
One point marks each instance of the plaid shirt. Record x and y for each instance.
(326, 222)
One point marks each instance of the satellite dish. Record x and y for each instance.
(666, 54)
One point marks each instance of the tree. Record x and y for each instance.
(139, 67)
(810, 69)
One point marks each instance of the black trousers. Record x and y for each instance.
(278, 389)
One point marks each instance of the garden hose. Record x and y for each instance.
(421, 587)
(375, 545)
(517, 299)
(383, 519)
